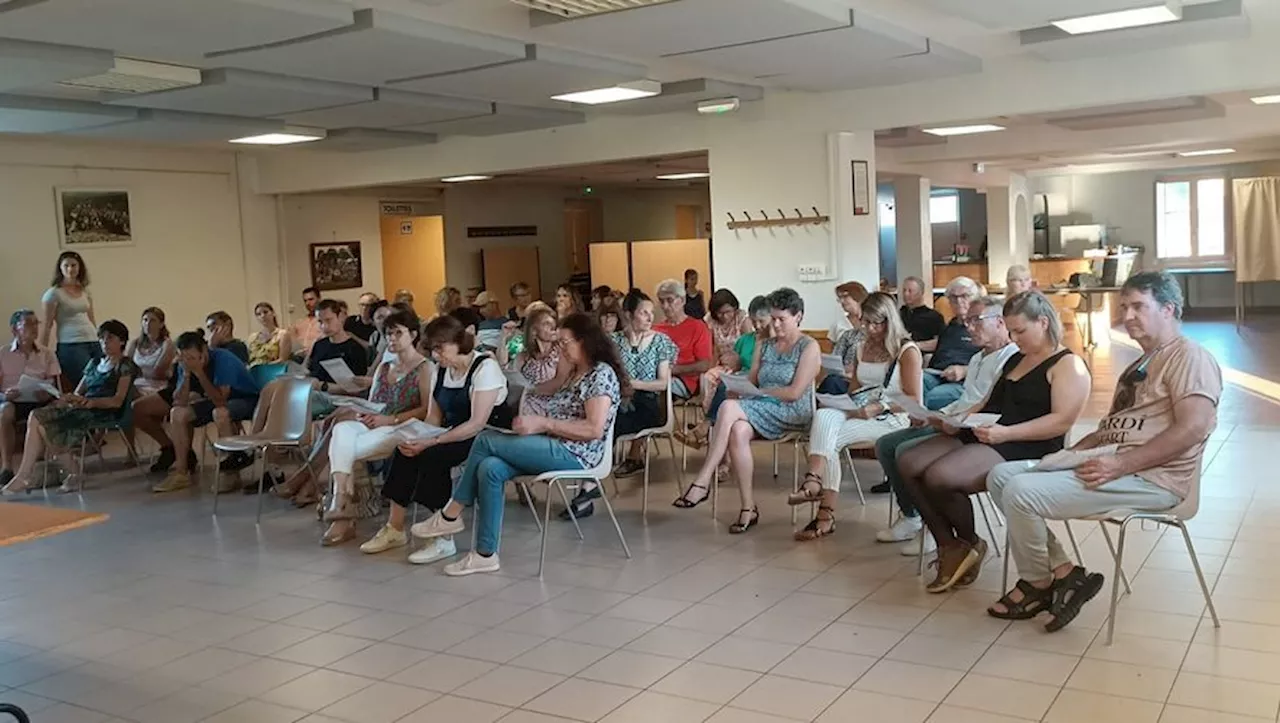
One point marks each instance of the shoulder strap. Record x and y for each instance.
(475, 366)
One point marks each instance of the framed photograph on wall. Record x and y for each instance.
(93, 217)
(336, 266)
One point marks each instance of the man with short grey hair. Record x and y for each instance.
(691, 336)
(922, 322)
(1144, 456)
(954, 347)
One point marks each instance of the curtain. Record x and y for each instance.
(1256, 208)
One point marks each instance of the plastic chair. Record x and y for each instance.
(264, 374)
(287, 426)
(119, 426)
(557, 478)
(666, 430)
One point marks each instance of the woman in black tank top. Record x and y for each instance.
(1039, 394)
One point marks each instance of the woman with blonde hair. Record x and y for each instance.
(887, 361)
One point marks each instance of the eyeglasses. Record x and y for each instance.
(958, 297)
(975, 320)
(1127, 389)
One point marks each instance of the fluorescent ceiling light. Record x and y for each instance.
(715, 107)
(683, 176)
(615, 94)
(281, 139)
(464, 179)
(1153, 15)
(1207, 152)
(1265, 99)
(963, 130)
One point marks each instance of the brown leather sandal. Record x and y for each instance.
(806, 493)
(820, 526)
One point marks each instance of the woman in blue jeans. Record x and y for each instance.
(572, 435)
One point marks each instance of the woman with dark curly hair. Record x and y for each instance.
(573, 434)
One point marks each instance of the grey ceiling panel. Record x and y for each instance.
(355, 140)
(689, 25)
(503, 119)
(20, 114)
(684, 95)
(938, 62)
(390, 109)
(1202, 23)
(169, 30)
(25, 64)
(1127, 115)
(177, 127)
(542, 73)
(1020, 14)
(378, 47)
(229, 91)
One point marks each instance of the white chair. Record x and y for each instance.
(557, 478)
(667, 430)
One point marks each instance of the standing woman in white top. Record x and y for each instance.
(68, 305)
(887, 358)
(153, 351)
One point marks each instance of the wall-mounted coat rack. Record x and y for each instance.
(783, 219)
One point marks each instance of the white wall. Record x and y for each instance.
(646, 215)
(192, 246)
(313, 219)
(483, 205)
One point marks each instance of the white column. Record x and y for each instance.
(1009, 228)
(914, 229)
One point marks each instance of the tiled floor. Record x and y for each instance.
(167, 615)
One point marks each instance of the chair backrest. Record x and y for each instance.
(1191, 504)
(290, 417)
(605, 468)
(264, 374)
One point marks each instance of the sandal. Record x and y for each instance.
(683, 502)
(806, 494)
(820, 526)
(1070, 593)
(753, 519)
(693, 438)
(1034, 601)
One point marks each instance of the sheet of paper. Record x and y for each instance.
(1071, 458)
(741, 386)
(976, 420)
(833, 364)
(836, 401)
(341, 373)
(416, 430)
(911, 406)
(361, 405)
(28, 387)
(295, 369)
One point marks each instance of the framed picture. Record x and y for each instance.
(336, 266)
(93, 217)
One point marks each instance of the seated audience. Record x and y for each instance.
(335, 343)
(470, 391)
(99, 399)
(404, 296)
(952, 350)
(361, 325)
(728, 321)
(567, 301)
(923, 323)
(210, 386)
(610, 316)
(153, 351)
(378, 340)
(1039, 394)
(695, 302)
(1147, 451)
(22, 358)
(486, 307)
(402, 385)
(888, 362)
(540, 359)
(598, 296)
(692, 338)
(449, 301)
(306, 330)
(985, 320)
(272, 343)
(845, 335)
(222, 335)
(573, 434)
(784, 369)
(1017, 280)
(737, 361)
(521, 296)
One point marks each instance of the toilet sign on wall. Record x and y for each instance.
(406, 228)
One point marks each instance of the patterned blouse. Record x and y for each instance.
(724, 336)
(570, 403)
(642, 362)
(536, 371)
(846, 347)
(265, 352)
(399, 396)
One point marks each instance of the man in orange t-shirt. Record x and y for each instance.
(691, 336)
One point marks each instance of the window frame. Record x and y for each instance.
(1226, 260)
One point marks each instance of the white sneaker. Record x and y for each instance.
(912, 548)
(387, 538)
(437, 526)
(437, 549)
(906, 528)
(471, 564)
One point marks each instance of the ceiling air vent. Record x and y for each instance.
(583, 8)
(138, 76)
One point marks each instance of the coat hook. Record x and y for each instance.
(766, 216)
(744, 213)
(815, 211)
(731, 218)
(799, 216)
(783, 214)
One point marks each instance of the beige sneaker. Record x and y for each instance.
(388, 538)
(174, 482)
(437, 526)
(471, 564)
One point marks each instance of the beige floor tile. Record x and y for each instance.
(674, 642)
(955, 714)
(1032, 666)
(857, 639)
(649, 707)
(509, 686)
(497, 646)
(780, 626)
(712, 618)
(858, 705)
(315, 691)
(908, 680)
(608, 632)
(1233, 663)
(1129, 681)
(1069, 641)
(453, 708)
(738, 715)
(562, 657)
(625, 667)
(443, 673)
(269, 639)
(1004, 696)
(787, 697)
(1183, 714)
(709, 683)
(936, 651)
(257, 677)
(976, 629)
(1075, 706)
(545, 621)
(380, 660)
(380, 703)
(879, 615)
(585, 700)
(1139, 650)
(736, 652)
(256, 711)
(528, 716)
(648, 609)
(824, 666)
(323, 649)
(1228, 696)
(1242, 636)
(1180, 628)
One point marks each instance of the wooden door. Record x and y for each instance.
(505, 266)
(413, 257)
(583, 226)
(688, 221)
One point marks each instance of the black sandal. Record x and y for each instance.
(1034, 601)
(753, 519)
(683, 502)
(802, 496)
(1070, 594)
(819, 526)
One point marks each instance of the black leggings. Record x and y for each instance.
(425, 478)
(646, 413)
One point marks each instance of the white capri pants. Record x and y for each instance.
(832, 430)
(352, 442)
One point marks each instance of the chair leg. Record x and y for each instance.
(795, 464)
(617, 528)
(1071, 535)
(1004, 575)
(533, 506)
(1124, 578)
(565, 496)
(215, 489)
(260, 471)
(1115, 582)
(671, 444)
(920, 553)
(715, 491)
(991, 532)
(775, 460)
(546, 525)
(1195, 563)
(644, 489)
(857, 483)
